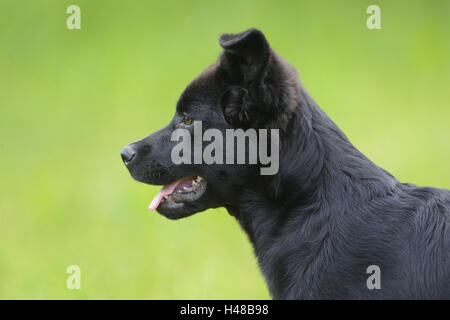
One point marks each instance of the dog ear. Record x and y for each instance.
(245, 59)
(236, 108)
(246, 56)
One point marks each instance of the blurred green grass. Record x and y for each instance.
(71, 99)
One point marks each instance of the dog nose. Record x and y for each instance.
(127, 154)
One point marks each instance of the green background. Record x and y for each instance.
(71, 99)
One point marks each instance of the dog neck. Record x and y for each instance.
(321, 174)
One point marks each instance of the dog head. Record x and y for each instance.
(248, 87)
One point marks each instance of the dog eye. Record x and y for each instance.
(188, 121)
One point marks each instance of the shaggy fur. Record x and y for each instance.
(329, 213)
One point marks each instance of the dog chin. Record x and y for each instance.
(175, 211)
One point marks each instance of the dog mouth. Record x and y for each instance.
(179, 192)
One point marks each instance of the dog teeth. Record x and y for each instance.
(186, 189)
(195, 184)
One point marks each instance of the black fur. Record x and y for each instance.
(329, 213)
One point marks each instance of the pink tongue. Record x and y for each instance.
(164, 191)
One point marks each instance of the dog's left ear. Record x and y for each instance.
(246, 56)
(245, 60)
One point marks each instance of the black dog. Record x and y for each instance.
(327, 215)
